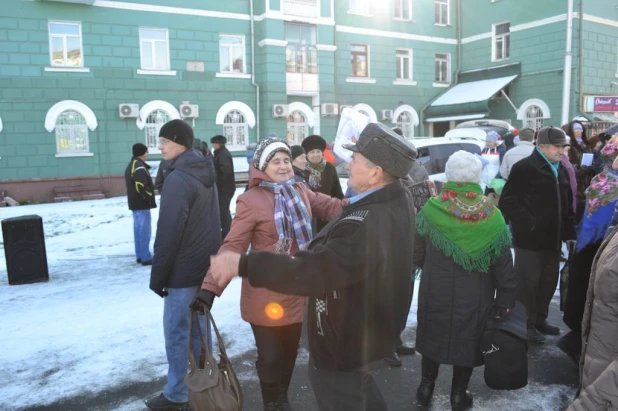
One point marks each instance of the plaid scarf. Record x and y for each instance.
(315, 174)
(291, 216)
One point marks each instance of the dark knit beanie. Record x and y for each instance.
(297, 151)
(179, 132)
(314, 142)
(267, 149)
(218, 139)
(139, 149)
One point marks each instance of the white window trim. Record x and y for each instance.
(371, 80)
(244, 54)
(238, 106)
(153, 105)
(49, 40)
(408, 109)
(365, 80)
(141, 51)
(64, 105)
(57, 69)
(367, 109)
(156, 72)
(448, 15)
(64, 155)
(233, 75)
(521, 113)
(494, 38)
(1, 126)
(409, 18)
(448, 72)
(366, 13)
(411, 68)
(305, 109)
(404, 83)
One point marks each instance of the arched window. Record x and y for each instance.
(71, 133)
(404, 122)
(154, 122)
(235, 129)
(297, 127)
(533, 118)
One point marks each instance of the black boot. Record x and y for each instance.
(429, 373)
(284, 385)
(270, 395)
(461, 399)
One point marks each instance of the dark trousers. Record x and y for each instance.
(461, 375)
(345, 391)
(276, 348)
(537, 277)
(224, 213)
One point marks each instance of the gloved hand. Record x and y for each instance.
(161, 293)
(498, 312)
(203, 298)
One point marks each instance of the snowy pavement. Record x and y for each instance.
(96, 327)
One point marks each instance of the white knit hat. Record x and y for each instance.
(463, 167)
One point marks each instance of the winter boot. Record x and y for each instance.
(429, 373)
(461, 399)
(270, 395)
(284, 385)
(160, 403)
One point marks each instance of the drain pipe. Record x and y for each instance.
(568, 59)
(580, 87)
(253, 83)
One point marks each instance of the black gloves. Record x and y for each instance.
(161, 293)
(203, 298)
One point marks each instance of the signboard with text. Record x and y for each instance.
(600, 104)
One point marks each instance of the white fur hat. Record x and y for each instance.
(463, 167)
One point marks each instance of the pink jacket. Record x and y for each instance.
(254, 225)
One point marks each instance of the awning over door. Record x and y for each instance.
(469, 99)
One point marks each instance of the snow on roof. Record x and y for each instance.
(473, 91)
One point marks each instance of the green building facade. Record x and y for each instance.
(81, 81)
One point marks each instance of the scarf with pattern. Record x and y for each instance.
(291, 216)
(464, 225)
(601, 199)
(315, 174)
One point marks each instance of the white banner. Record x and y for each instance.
(352, 123)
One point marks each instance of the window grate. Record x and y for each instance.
(404, 122)
(154, 122)
(297, 128)
(71, 133)
(533, 118)
(235, 129)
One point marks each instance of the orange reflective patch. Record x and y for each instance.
(274, 311)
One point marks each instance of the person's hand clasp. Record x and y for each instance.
(224, 267)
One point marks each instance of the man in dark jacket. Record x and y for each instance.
(162, 171)
(188, 233)
(357, 273)
(141, 198)
(537, 199)
(226, 185)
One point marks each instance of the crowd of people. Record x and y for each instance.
(345, 264)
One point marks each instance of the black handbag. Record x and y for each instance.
(504, 346)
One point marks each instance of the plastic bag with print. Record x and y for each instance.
(351, 124)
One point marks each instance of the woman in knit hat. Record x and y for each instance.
(320, 175)
(463, 247)
(273, 215)
(299, 163)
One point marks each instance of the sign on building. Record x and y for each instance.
(600, 104)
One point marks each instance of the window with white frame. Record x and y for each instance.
(443, 70)
(534, 118)
(442, 12)
(502, 41)
(154, 49)
(404, 64)
(154, 122)
(71, 133)
(235, 129)
(359, 56)
(231, 53)
(65, 44)
(404, 122)
(403, 9)
(297, 128)
(359, 6)
(301, 54)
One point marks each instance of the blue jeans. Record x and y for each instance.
(141, 234)
(176, 319)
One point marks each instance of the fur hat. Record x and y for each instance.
(297, 151)
(179, 132)
(463, 167)
(218, 139)
(139, 149)
(314, 142)
(267, 149)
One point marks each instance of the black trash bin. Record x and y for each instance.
(24, 249)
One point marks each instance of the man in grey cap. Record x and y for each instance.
(538, 201)
(356, 271)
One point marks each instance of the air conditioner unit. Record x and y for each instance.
(280, 110)
(342, 106)
(189, 111)
(387, 114)
(128, 110)
(329, 109)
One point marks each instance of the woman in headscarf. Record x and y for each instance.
(273, 215)
(320, 174)
(463, 248)
(601, 200)
(583, 174)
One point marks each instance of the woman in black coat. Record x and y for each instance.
(463, 248)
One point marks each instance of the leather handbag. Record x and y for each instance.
(213, 385)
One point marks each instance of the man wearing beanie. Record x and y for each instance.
(356, 273)
(226, 185)
(141, 198)
(188, 233)
(519, 152)
(537, 199)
